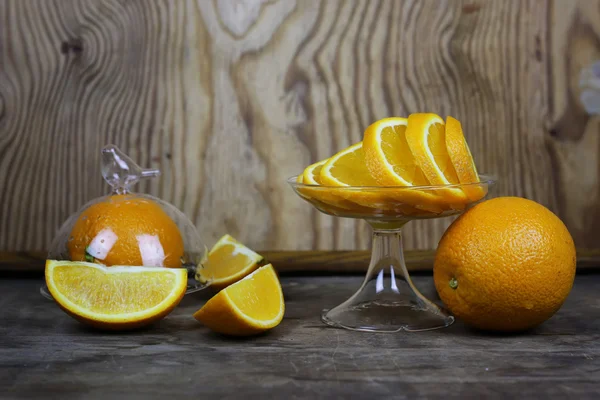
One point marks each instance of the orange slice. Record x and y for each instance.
(461, 157)
(391, 162)
(347, 168)
(227, 262)
(388, 156)
(247, 307)
(311, 176)
(426, 137)
(117, 297)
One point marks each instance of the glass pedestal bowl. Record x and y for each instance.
(387, 300)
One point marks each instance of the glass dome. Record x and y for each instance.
(125, 228)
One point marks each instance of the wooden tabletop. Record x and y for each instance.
(46, 354)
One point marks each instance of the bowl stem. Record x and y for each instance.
(387, 300)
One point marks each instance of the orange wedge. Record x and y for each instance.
(117, 297)
(426, 137)
(461, 157)
(227, 262)
(247, 307)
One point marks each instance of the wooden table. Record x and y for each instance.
(46, 354)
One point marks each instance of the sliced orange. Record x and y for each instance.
(311, 176)
(347, 168)
(426, 137)
(247, 307)
(117, 297)
(388, 156)
(227, 262)
(391, 162)
(461, 157)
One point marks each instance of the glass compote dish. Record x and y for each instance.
(125, 228)
(387, 300)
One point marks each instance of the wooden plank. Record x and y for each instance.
(44, 353)
(573, 130)
(295, 262)
(228, 98)
(326, 262)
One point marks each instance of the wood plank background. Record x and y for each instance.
(230, 97)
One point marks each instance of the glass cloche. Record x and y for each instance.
(126, 228)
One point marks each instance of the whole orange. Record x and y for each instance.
(506, 264)
(126, 230)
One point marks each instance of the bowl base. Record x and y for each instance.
(381, 315)
(388, 300)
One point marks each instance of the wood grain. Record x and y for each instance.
(46, 354)
(230, 97)
(573, 140)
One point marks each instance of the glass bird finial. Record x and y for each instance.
(120, 171)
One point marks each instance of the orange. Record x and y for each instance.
(126, 230)
(227, 262)
(247, 307)
(506, 264)
(462, 160)
(116, 298)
